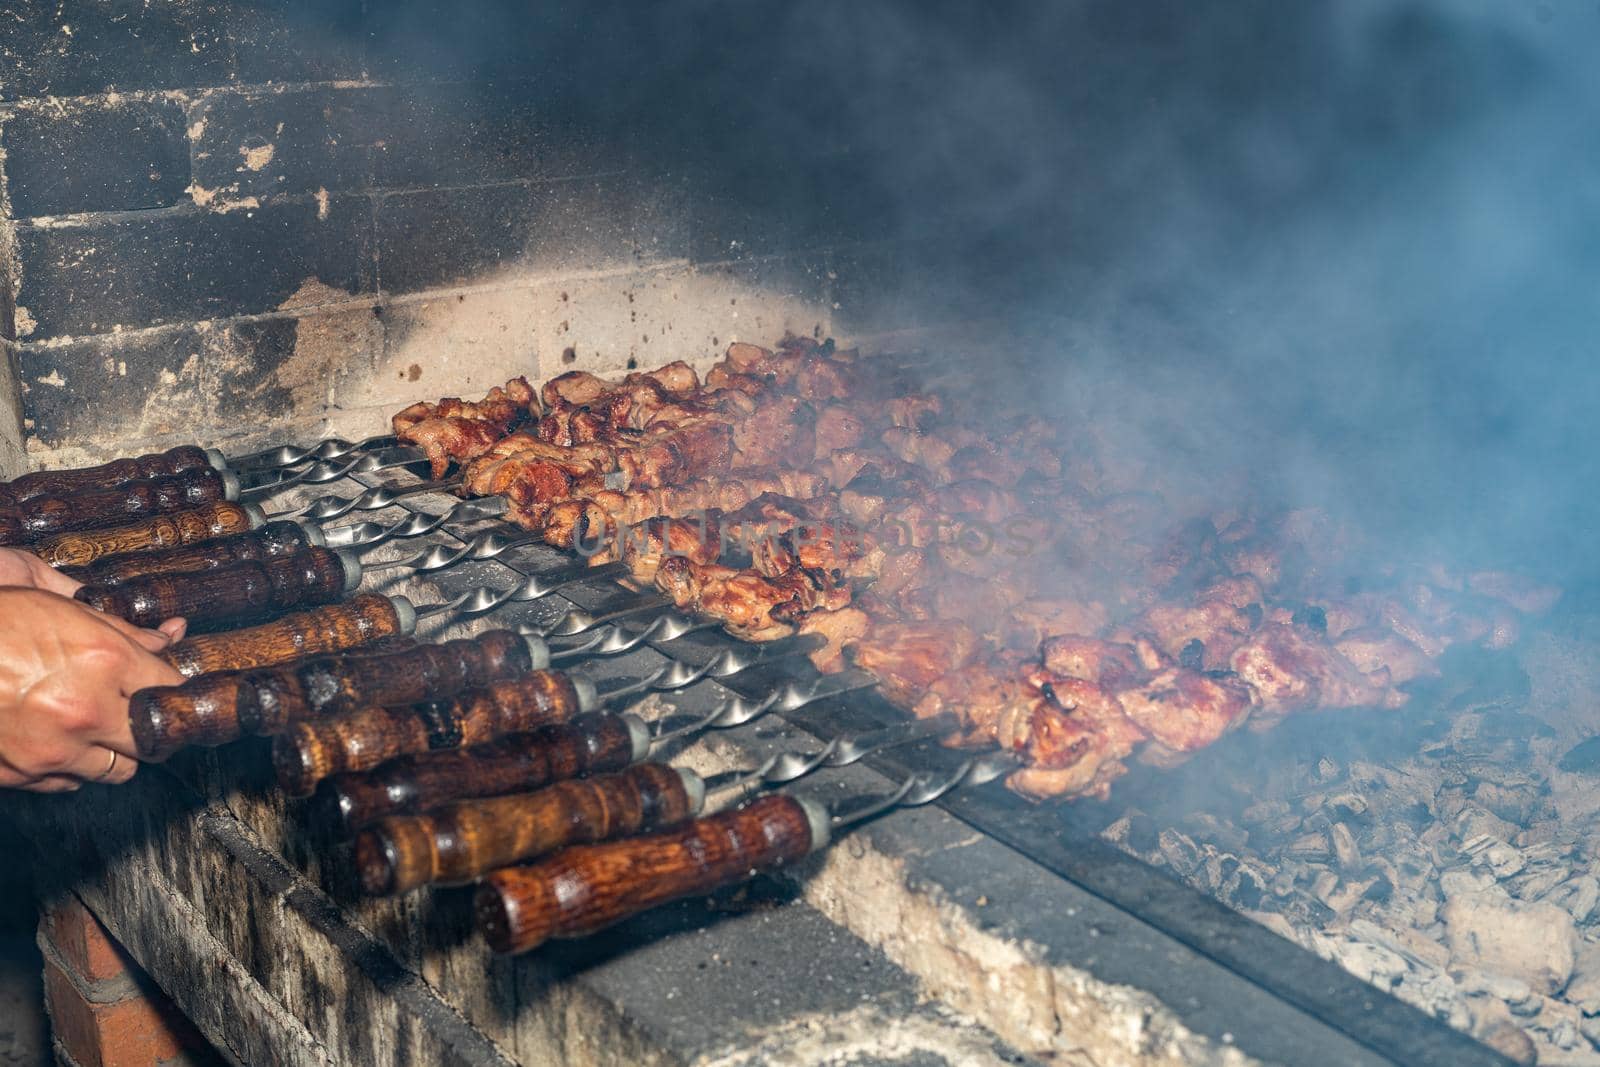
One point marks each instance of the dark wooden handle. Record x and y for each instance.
(359, 740)
(44, 516)
(458, 843)
(213, 709)
(588, 887)
(271, 541)
(305, 633)
(201, 711)
(106, 475)
(590, 744)
(431, 673)
(186, 527)
(246, 591)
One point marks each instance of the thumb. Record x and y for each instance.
(174, 628)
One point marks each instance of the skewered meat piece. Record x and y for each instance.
(837, 549)
(777, 430)
(1184, 710)
(910, 657)
(1091, 659)
(459, 430)
(1290, 667)
(840, 627)
(837, 426)
(1219, 621)
(1372, 649)
(597, 514)
(667, 454)
(644, 545)
(1073, 739)
(1035, 620)
(980, 695)
(915, 411)
(750, 605)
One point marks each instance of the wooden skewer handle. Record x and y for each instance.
(107, 475)
(458, 843)
(333, 628)
(275, 539)
(432, 672)
(186, 527)
(359, 740)
(213, 709)
(588, 887)
(223, 706)
(590, 744)
(240, 592)
(44, 516)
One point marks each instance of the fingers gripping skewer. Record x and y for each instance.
(585, 888)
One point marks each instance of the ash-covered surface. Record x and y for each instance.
(1448, 853)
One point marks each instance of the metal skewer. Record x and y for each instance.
(334, 470)
(325, 449)
(374, 499)
(591, 744)
(586, 888)
(368, 534)
(403, 853)
(677, 675)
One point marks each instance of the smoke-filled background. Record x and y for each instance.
(1345, 245)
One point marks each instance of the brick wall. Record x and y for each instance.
(224, 218)
(104, 1011)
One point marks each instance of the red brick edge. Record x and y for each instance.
(104, 1010)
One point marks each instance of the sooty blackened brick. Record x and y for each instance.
(101, 156)
(296, 40)
(291, 142)
(470, 133)
(81, 47)
(456, 236)
(178, 266)
(426, 40)
(105, 389)
(263, 144)
(293, 367)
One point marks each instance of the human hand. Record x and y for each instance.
(22, 568)
(25, 570)
(66, 673)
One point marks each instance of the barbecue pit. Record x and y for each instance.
(283, 236)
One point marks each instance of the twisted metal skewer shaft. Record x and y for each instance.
(290, 456)
(333, 470)
(374, 499)
(840, 751)
(368, 534)
(925, 787)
